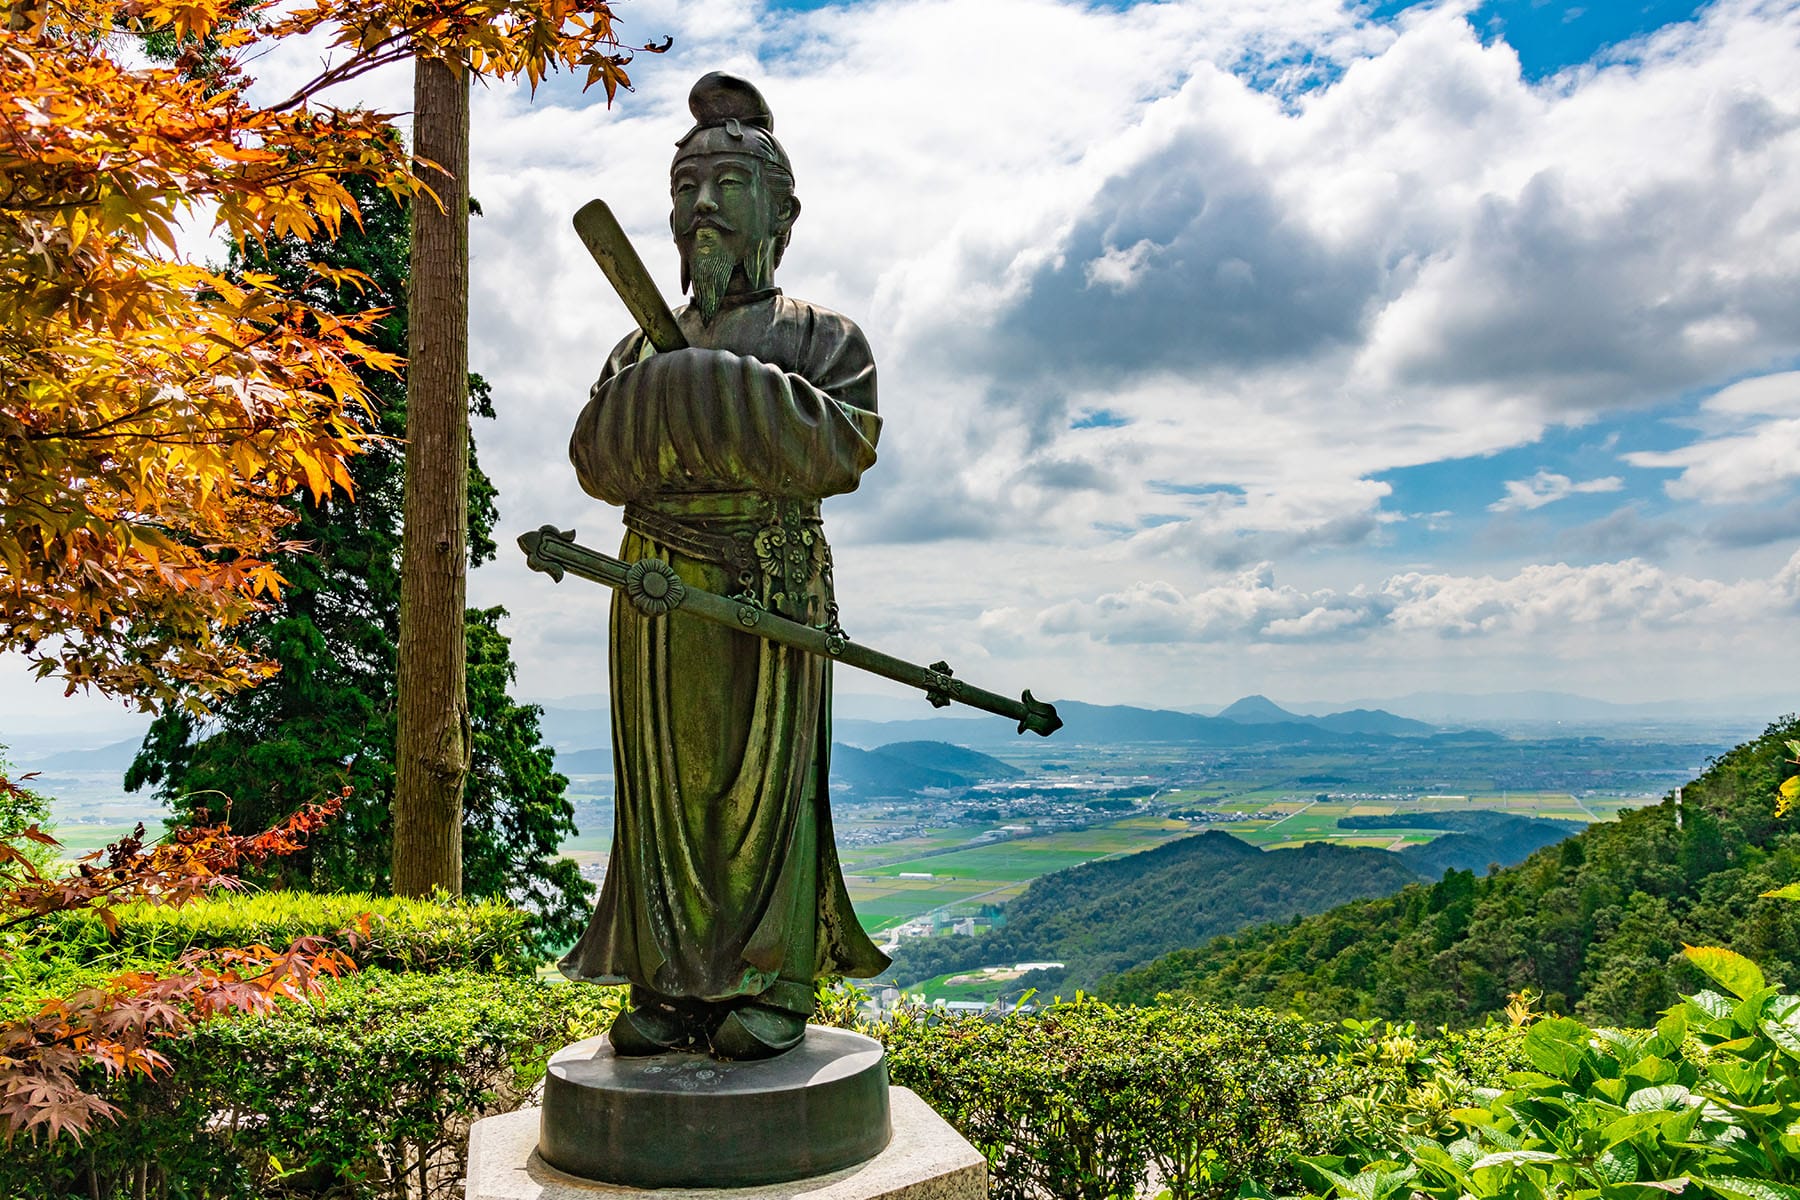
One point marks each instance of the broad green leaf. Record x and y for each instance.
(1669, 1095)
(1652, 1069)
(1738, 1188)
(1738, 1078)
(1749, 1014)
(1517, 1158)
(1472, 1116)
(1785, 1034)
(1627, 1127)
(1792, 890)
(1735, 973)
(1618, 1165)
(1612, 1090)
(1377, 1183)
(1670, 1032)
(1557, 1047)
(1680, 1126)
(1711, 1004)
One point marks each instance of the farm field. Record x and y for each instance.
(991, 873)
(1269, 813)
(81, 838)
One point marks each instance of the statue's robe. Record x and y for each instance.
(724, 879)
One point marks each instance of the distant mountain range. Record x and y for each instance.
(114, 756)
(1452, 708)
(867, 721)
(1260, 723)
(1260, 710)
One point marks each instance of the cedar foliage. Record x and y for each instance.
(1594, 925)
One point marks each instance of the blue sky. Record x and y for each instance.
(1229, 346)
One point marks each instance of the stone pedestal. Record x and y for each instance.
(924, 1160)
(687, 1120)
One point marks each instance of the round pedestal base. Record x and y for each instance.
(684, 1120)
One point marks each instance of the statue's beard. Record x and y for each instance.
(712, 260)
(709, 267)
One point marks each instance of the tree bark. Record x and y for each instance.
(433, 747)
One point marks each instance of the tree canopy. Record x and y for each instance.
(155, 414)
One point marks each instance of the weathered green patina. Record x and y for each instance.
(723, 899)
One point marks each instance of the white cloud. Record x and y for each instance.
(1040, 208)
(1556, 599)
(1120, 269)
(1547, 487)
(1755, 450)
(1282, 294)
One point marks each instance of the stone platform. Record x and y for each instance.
(925, 1160)
(685, 1119)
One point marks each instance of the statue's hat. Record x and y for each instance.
(731, 117)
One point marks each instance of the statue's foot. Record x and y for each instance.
(753, 1031)
(648, 1029)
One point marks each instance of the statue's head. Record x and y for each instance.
(733, 193)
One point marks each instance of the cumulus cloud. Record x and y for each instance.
(1540, 598)
(1249, 605)
(1754, 449)
(1283, 245)
(1547, 487)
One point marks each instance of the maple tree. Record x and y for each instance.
(154, 413)
(116, 1026)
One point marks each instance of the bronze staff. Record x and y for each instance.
(654, 588)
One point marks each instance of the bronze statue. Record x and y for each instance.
(724, 901)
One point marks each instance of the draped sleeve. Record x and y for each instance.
(702, 419)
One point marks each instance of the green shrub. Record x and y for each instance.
(1086, 1100)
(404, 934)
(367, 1092)
(1407, 1083)
(1707, 1105)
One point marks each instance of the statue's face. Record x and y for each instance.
(721, 205)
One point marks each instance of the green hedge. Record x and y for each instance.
(367, 1092)
(1085, 1100)
(404, 934)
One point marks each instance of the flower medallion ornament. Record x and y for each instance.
(654, 587)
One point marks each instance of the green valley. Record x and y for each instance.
(1595, 925)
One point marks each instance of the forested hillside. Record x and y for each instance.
(1596, 924)
(904, 768)
(1104, 916)
(1476, 841)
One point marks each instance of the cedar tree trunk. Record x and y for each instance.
(433, 747)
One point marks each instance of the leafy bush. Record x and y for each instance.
(1707, 1104)
(401, 935)
(367, 1092)
(1412, 1083)
(1087, 1100)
